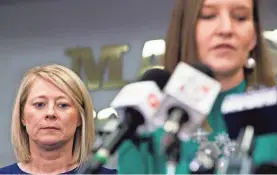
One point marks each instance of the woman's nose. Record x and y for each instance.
(225, 25)
(50, 113)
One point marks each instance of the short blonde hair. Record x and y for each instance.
(67, 81)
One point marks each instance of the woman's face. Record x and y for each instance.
(49, 115)
(225, 34)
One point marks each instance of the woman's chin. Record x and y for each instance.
(224, 69)
(49, 141)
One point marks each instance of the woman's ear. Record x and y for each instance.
(253, 43)
(23, 121)
(79, 123)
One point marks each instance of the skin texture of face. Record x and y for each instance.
(50, 116)
(225, 34)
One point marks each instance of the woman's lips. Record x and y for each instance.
(51, 128)
(224, 47)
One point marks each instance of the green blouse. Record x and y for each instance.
(147, 159)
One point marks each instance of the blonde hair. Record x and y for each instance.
(181, 44)
(67, 81)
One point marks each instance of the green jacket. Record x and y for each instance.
(142, 159)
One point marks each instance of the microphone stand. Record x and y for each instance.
(206, 155)
(126, 130)
(171, 142)
(173, 155)
(240, 162)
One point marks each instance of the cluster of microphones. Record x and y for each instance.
(179, 102)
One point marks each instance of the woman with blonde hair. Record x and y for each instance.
(52, 128)
(225, 35)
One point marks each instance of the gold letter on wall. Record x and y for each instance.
(152, 53)
(110, 61)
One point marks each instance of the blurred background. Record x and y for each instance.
(84, 35)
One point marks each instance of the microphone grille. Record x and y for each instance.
(159, 76)
(203, 68)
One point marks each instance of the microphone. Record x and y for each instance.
(192, 92)
(188, 98)
(240, 162)
(266, 168)
(135, 104)
(256, 108)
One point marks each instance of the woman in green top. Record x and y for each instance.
(226, 35)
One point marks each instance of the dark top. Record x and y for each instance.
(14, 169)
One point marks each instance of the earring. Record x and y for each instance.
(251, 63)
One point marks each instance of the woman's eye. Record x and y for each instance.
(63, 105)
(211, 16)
(241, 18)
(39, 104)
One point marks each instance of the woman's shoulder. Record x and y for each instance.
(11, 169)
(104, 170)
(14, 169)
(86, 168)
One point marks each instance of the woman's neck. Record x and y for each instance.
(55, 161)
(229, 82)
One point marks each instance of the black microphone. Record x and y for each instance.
(266, 168)
(256, 108)
(136, 103)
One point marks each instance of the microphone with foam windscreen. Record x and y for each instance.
(188, 98)
(135, 104)
(256, 108)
